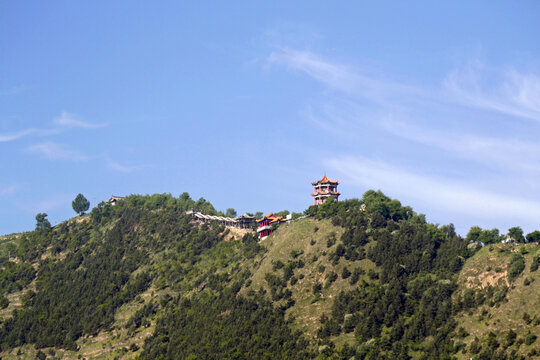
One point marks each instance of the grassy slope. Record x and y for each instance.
(489, 266)
(303, 236)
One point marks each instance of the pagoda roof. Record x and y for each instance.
(325, 180)
(115, 198)
(326, 193)
(272, 217)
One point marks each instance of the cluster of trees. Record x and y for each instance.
(515, 234)
(410, 299)
(78, 293)
(224, 326)
(411, 305)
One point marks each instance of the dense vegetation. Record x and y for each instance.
(75, 277)
(224, 326)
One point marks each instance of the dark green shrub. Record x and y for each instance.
(516, 266)
(530, 339)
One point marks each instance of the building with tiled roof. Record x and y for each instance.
(265, 224)
(324, 189)
(114, 199)
(242, 222)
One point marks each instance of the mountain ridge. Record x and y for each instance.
(361, 278)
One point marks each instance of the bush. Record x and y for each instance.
(516, 266)
(535, 263)
(530, 339)
(4, 302)
(345, 273)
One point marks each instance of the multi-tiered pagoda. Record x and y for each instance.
(324, 189)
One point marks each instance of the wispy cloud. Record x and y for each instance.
(506, 91)
(507, 153)
(362, 82)
(332, 74)
(113, 165)
(55, 151)
(509, 92)
(9, 190)
(64, 121)
(17, 135)
(69, 120)
(437, 193)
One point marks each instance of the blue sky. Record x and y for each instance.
(436, 104)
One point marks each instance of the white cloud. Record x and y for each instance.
(437, 193)
(365, 83)
(332, 74)
(507, 153)
(17, 135)
(69, 120)
(509, 92)
(113, 165)
(54, 151)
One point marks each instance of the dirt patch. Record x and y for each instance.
(236, 234)
(487, 278)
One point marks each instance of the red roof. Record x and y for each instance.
(273, 218)
(325, 180)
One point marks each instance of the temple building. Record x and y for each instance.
(265, 224)
(242, 222)
(114, 199)
(245, 221)
(324, 189)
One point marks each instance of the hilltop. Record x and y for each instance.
(365, 278)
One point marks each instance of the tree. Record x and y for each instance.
(474, 234)
(80, 204)
(230, 212)
(42, 223)
(516, 233)
(490, 236)
(534, 236)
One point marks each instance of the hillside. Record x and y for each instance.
(504, 301)
(361, 278)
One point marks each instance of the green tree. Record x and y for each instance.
(80, 204)
(489, 236)
(474, 234)
(516, 233)
(42, 224)
(534, 236)
(230, 212)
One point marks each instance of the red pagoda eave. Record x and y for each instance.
(325, 180)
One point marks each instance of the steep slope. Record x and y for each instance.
(299, 257)
(501, 301)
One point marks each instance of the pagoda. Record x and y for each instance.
(324, 189)
(265, 225)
